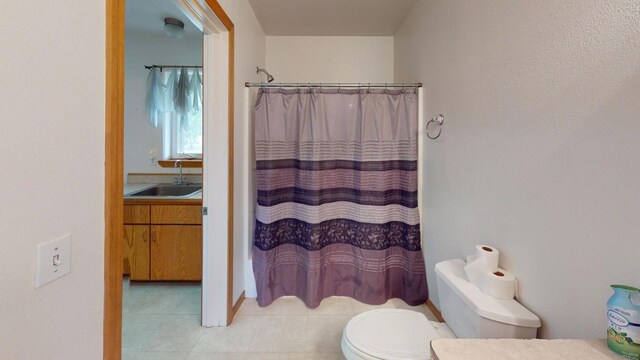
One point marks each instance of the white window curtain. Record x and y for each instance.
(173, 92)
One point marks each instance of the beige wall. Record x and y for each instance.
(249, 53)
(330, 58)
(540, 153)
(52, 145)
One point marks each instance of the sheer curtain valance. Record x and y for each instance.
(176, 90)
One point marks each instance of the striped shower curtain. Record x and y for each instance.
(337, 205)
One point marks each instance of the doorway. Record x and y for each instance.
(163, 135)
(218, 154)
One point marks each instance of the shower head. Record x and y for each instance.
(269, 77)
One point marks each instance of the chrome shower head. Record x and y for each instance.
(269, 76)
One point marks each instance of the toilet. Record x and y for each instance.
(468, 312)
(390, 334)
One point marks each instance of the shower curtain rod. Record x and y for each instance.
(334, 85)
(172, 66)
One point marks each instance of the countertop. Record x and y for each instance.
(515, 349)
(195, 199)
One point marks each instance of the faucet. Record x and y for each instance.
(179, 181)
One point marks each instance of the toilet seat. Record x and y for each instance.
(388, 334)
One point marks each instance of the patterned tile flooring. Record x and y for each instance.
(161, 321)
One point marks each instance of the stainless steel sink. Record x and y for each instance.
(167, 191)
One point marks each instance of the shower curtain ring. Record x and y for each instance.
(385, 88)
(338, 88)
(403, 88)
(369, 89)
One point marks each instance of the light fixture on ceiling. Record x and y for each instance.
(174, 27)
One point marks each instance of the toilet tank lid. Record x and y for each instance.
(504, 311)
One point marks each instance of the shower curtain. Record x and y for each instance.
(337, 202)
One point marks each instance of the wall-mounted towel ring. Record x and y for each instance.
(439, 120)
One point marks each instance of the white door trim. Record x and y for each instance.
(215, 160)
(422, 133)
(248, 217)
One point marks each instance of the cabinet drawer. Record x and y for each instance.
(136, 214)
(176, 214)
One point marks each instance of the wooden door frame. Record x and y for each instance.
(114, 160)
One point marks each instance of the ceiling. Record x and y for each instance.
(147, 16)
(331, 17)
(289, 17)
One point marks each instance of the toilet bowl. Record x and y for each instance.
(390, 334)
(468, 312)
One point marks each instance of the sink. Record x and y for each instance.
(167, 190)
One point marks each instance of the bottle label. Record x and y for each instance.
(623, 335)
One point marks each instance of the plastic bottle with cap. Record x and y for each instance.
(623, 334)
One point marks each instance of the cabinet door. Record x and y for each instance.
(176, 252)
(136, 251)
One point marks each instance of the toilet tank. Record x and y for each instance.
(472, 314)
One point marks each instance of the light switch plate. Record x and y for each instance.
(53, 260)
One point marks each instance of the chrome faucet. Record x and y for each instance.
(179, 181)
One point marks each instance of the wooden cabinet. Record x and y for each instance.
(176, 214)
(136, 251)
(163, 242)
(137, 214)
(176, 251)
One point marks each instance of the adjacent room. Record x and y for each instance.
(321, 179)
(163, 170)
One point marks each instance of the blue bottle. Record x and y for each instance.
(623, 335)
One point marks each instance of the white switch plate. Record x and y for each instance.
(48, 255)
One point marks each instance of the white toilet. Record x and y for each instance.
(468, 312)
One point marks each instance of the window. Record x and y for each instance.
(174, 101)
(190, 138)
(182, 141)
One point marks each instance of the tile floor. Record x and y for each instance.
(161, 321)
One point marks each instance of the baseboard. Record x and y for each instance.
(249, 280)
(435, 311)
(236, 307)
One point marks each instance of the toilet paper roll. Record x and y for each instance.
(486, 261)
(500, 284)
(489, 255)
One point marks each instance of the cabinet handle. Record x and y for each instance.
(153, 233)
